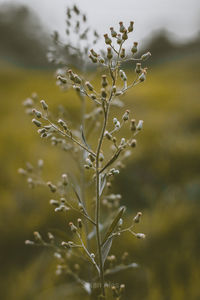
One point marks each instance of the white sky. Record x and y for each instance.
(180, 17)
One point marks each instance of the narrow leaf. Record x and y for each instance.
(102, 183)
(83, 138)
(106, 248)
(114, 224)
(120, 268)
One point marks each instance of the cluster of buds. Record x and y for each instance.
(74, 77)
(60, 205)
(116, 123)
(113, 172)
(89, 161)
(68, 244)
(118, 291)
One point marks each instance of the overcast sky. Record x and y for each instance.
(180, 17)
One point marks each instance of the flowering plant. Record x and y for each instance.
(99, 221)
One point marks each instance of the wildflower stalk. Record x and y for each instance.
(106, 112)
(87, 159)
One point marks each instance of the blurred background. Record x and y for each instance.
(162, 178)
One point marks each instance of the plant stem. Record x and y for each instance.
(106, 111)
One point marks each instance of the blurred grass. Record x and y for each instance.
(162, 180)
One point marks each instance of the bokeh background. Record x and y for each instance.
(162, 179)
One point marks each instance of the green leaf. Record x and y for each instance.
(106, 248)
(120, 268)
(114, 224)
(102, 183)
(83, 138)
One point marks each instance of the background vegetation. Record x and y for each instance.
(162, 178)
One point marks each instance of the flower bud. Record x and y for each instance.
(91, 157)
(121, 289)
(125, 35)
(138, 69)
(94, 53)
(101, 60)
(37, 236)
(52, 187)
(37, 123)
(140, 125)
(44, 105)
(136, 219)
(133, 143)
(121, 27)
(134, 48)
(65, 179)
(103, 93)
(119, 39)
(101, 157)
(133, 125)
(79, 222)
(93, 59)
(113, 32)
(104, 81)
(37, 113)
(73, 227)
(50, 236)
(140, 235)
(89, 86)
(114, 88)
(108, 135)
(122, 54)
(71, 74)
(108, 41)
(130, 28)
(62, 79)
(109, 53)
(146, 56)
(93, 96)
(62, 123)
(115, 121)
(89, 163)
(122, 142)
(54, 202)
(125, 117)
(77, 79)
